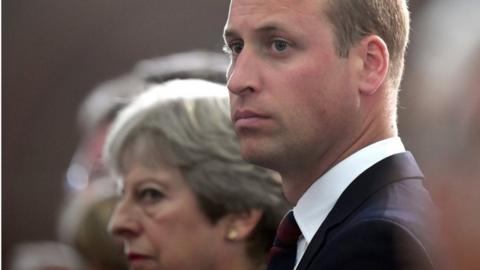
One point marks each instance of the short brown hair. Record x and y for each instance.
(389, 19)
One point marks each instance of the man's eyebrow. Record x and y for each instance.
(229, 33)
(267, 28)
(263, 29)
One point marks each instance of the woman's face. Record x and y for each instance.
(160, 221)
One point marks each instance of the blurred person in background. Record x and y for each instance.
(45, 256)
(444, 83)
(188, 199)
(443, 76)
(83, 225)
(90, 194)
(102, 104)
(204, 65)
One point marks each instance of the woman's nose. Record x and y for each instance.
(124, 222)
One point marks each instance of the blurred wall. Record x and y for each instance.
(54, 52)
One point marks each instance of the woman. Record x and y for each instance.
(189, 201)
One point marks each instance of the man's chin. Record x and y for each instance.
(258, 155)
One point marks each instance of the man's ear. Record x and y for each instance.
(375, 59)
(239, 226)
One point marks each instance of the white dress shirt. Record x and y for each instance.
(315, 204)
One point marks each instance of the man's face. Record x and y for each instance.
(293, 99)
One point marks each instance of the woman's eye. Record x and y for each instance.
(150, 195)
(279, 45)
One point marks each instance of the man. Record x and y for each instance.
(313, 87)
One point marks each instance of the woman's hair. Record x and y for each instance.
(187, 123)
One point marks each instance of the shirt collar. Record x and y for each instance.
(315, 204)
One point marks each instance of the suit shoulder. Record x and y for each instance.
(406, 203)
(375, 243)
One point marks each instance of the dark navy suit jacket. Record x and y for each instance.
(379, 222)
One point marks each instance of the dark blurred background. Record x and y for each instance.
(55, 52)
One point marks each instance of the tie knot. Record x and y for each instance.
(288, 231)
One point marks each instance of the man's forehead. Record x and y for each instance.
(259, 9)
(271, 3)
(268, 15)
(254, 6)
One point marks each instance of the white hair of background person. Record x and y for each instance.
(196, 64)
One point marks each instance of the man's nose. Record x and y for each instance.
(244, 73)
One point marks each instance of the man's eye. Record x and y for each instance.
(279, 45)
(233, 48)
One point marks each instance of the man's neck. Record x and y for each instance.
(296, 181)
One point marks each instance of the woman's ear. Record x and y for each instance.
(239, 226)
(375, 59)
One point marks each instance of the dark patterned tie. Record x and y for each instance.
(284, 250)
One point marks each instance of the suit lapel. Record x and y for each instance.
(391, 169)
